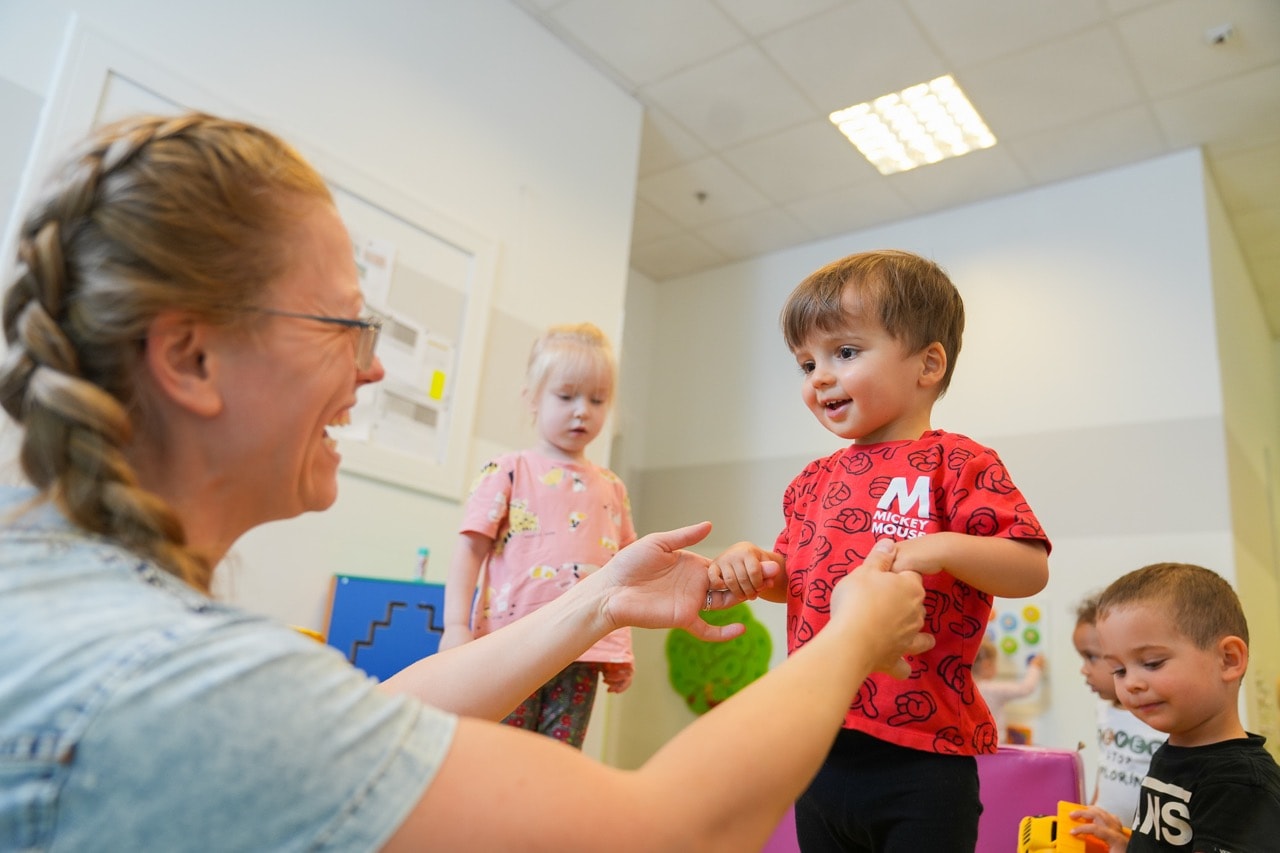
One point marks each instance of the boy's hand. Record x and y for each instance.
(1100, 825)
(617, 676)
(924, 555)
(745, 570)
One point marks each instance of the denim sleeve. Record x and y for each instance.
(248, 737)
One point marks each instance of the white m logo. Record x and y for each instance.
(918, 496)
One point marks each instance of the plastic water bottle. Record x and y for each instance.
(424, 556)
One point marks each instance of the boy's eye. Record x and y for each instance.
(847, 352)
(806, 367)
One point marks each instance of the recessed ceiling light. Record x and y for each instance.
(922, 124)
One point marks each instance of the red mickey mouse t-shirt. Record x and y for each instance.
(838, 507)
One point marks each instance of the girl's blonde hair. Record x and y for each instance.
(580, 352)
(150, 214)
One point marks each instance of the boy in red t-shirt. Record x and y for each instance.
(876, 337)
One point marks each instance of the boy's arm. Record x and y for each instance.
(744, 570)
(1007, 568)
(460, 587)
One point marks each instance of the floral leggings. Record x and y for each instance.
(561, 708)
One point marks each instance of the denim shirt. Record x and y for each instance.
(137, 713)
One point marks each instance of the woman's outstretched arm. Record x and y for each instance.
(723, 783)
(651, 583)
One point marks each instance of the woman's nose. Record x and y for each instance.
(375, 373)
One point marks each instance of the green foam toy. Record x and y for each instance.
(704, 673)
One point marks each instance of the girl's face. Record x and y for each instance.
(1096, 673)
(569, 413)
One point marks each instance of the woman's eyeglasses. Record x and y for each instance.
(370, 328)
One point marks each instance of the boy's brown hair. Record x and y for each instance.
(1202, 605)
(912, 297)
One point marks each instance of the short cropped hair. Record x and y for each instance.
(1203, 606)
(911, 296)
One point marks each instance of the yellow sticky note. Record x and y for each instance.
(436, 391)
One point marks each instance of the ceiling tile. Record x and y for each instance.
(735, 97)
(854, 53)
(1168, 47)
(682, 254)
(1092, 144)
(651, 224)
(665, 144)
(1249, 181)
(978, 30)
(1244, 109)
(647, 41)
(1050, 87)
(756, 233)
(805, 160)
(737, 92)
(961, 180)
(851, 208)
(1119, 7)
(759, 17)
(725, 194)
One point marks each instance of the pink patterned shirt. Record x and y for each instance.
(552, 524)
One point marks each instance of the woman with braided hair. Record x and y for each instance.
(183, 324)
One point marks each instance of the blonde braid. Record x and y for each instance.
(152, 213)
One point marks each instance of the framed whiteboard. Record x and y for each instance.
(428, 277)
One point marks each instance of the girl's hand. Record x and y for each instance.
(745, 570)
(454, 635)
(651, 583)
(617, 676)
(1102, 825)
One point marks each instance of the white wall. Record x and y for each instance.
(1090, 362)
(465, 106)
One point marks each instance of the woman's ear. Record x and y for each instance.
(180, 363)
(933, 364)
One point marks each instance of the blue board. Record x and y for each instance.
(384, 625)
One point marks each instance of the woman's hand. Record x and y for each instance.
(652, 583)
(884, 607)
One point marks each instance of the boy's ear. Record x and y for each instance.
(1233, 653)
(933, 362)
(178, 359)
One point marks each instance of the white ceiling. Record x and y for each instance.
(738, 157)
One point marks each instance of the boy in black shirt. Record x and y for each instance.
(1177, 644)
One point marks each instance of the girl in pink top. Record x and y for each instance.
(539, 520)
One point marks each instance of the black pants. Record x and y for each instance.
(871, 795)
